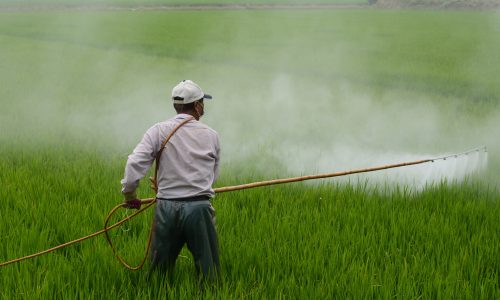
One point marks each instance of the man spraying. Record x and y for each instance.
(189, 167)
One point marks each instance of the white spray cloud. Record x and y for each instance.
(326, 130)
(303, 122)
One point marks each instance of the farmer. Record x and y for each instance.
(188, 167)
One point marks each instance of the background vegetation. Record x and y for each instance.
(176, 2)
(484, 4)
(440, 4)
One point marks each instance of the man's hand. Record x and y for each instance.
(135, 203)
(131, 200)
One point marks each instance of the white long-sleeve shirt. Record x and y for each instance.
(189, 164)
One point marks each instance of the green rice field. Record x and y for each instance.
(295, 92)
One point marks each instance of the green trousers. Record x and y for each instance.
(185, 222)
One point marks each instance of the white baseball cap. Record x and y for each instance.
(187, 92)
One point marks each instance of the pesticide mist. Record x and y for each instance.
(286, 109)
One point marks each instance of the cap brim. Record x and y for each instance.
(207, 96)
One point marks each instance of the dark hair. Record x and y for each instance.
(180, 108)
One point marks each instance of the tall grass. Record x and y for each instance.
(322, 241)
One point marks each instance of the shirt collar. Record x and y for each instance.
(182, 116)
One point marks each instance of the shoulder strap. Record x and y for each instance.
(154, 180)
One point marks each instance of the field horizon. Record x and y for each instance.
(245, 4)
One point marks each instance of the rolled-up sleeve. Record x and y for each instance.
(139, 161)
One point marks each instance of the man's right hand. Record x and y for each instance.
(135, 204)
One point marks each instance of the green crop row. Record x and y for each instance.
(321, 241)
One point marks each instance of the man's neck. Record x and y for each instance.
(194, 114)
